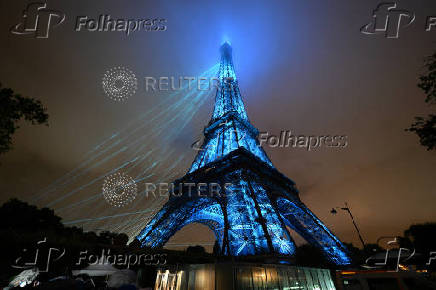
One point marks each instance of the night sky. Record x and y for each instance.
(302, 66)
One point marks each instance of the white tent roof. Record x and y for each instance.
(97, 270)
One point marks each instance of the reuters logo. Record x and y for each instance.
(119, 189)
(119, 84)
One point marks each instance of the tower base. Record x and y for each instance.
(227, 276)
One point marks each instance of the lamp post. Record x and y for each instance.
(347, 209)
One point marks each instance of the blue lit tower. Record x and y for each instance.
(251, 209)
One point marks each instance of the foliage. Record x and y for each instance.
(428, 81)
(310, 256)
(13, 108)
(196, 250)
(22, 226)
(422, 236)
(425, 127)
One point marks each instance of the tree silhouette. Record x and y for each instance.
(14, 107)
(422, 236)
(425, 127)
(196, 250)
(22, 226)
(310, 256)
(216, 249)
(17, 215)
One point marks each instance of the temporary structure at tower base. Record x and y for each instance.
(227, 276)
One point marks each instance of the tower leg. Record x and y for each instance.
(298, 217)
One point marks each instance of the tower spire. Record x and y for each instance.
(226, 69)
(228, 98)
(229, 127)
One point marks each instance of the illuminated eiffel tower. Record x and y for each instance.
(256, 203)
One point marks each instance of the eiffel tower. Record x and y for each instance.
(255, 203)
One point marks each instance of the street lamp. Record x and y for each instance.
(347, 209)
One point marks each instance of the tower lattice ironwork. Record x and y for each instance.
(251, 209)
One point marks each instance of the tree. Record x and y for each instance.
(14, 107)
(23, 225)
(18, 215)
(196, 250)
(420, 239)
(216, 249)
(425, 127)
(422, 236)
(307, 255)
